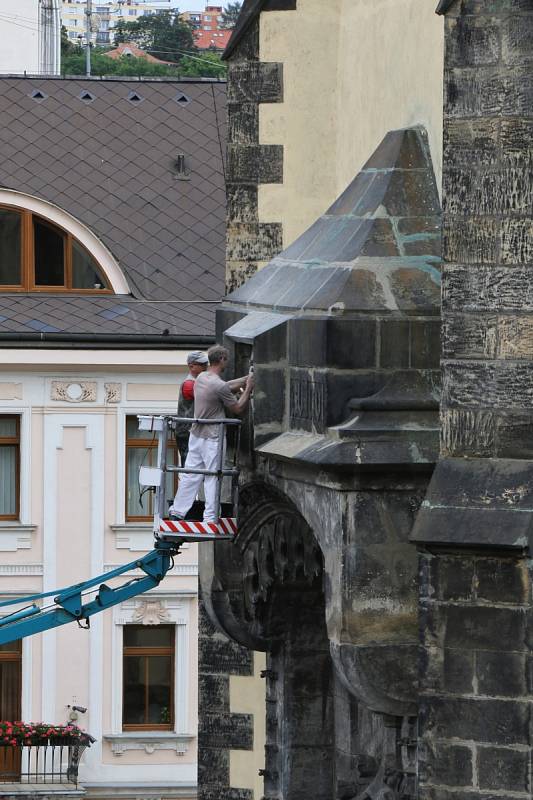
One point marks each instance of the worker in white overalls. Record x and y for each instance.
(212, 396)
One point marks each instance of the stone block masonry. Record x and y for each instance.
(476, 635)
(476, 677)
(219, 730)
(488, 225)
(250, 242)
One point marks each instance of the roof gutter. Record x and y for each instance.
(103, 341)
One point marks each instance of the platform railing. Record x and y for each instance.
(162, 425)
(50, 762)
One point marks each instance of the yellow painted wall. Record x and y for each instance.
(247, 696)
(353, 70)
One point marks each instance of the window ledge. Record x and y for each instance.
(149, 741)
(15, 536)
(135, 536)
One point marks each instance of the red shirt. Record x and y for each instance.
(187, 389)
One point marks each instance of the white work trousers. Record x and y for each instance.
(202, 455)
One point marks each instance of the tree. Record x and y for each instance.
(230, 15)
(67, 47)
(205, 65)
(164, 35)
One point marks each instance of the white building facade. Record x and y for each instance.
(111, 268)
(30, 37)
(106, 14)
(69, 462)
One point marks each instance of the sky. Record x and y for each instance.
(197, 5)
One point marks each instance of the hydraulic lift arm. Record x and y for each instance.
(77, 603)
(69, 604)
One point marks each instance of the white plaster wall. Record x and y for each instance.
(353, 70)
(19, 36)
(72, 485)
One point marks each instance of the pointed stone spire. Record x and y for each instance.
(377, 248)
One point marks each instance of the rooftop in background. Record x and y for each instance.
(114, 162)
(209, 40)
(129, 49)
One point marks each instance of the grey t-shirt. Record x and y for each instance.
(211, 396)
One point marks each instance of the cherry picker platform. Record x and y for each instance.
(192, 528)
(41, 612)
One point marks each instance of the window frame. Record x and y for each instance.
(27, 258)
(147, 444)
(146, 652)
(9, 441)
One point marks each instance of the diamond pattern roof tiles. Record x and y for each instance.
(110, 163)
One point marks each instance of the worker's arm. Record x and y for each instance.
(237, 383)
(240, 405)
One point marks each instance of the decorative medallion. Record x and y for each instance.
(74, 392)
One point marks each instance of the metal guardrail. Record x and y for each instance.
(51, 762)
(161, 425)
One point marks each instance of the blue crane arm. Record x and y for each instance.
(69, 604)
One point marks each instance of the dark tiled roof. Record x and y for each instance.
(111, 164)
(116, 315)
(377, 248)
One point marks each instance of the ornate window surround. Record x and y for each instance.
(153, 608)
(71, 225)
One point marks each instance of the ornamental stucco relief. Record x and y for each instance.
(113, 392)
(74, 391)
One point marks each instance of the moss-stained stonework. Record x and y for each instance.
(250, 83)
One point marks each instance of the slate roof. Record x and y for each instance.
(111, 163)
(377, 248)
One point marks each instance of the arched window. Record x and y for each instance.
(36, 255)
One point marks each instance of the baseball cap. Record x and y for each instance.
(197, 357)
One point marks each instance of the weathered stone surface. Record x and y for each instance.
(517, 240)
(483, 720)
(464, 428)
(213, 765)
(503, 769)
(215, 793)
(451, 765)
(232, 731)
(470, 241)
(494, 384)
(252, 241)
(486, 7)
(501, 674)
(243, 120)
(517, 38)
(472, 41)
(478, 288)
(255, 163)
(473, 143)
(255, 82)
(223, 656)
(241, 204)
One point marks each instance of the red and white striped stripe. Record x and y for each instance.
(226, 527)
